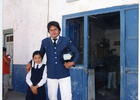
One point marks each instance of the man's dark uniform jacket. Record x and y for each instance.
(55, 66)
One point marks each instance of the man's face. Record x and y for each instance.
(54, 32)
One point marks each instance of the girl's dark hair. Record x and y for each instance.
(53, 23)
(37, 53)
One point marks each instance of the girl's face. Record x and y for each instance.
(37, 59)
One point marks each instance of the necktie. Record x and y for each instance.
(54, 42)
(37, 67)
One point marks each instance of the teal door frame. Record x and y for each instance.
(85, 65)
(129, 52)
(123, 68)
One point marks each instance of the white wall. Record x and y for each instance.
(58, 8)
(113, 35)
(28, 19)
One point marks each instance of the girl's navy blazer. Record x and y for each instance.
(55, 67)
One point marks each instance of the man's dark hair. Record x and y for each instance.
(53, 23)
(37, 53)
(4, 49)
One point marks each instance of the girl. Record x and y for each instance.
(36, 78)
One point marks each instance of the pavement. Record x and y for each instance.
(11, 95)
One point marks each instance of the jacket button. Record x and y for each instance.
(55, 52)
(55, 62)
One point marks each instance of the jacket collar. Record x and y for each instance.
(59, 41)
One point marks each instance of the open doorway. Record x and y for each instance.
(104, 54)
(8, 44)
(115, 30)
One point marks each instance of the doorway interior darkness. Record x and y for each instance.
(103, 53)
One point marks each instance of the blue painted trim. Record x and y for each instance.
(122, 53)
(64, 26)
(131, 66)
(120, 9)
(86, 41)
(19, 74)
(100, 11)
(131, 69)
(79, 65)
(21, 65)
(134, 38)
(124, 69)
(85, 76)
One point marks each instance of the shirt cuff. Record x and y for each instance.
(30, 83)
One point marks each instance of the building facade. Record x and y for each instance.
(94, 26)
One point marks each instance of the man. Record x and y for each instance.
(6, 72)
(57, 71)
(113, 64)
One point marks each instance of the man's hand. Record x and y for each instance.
(68, 64)
(34, 89)
(28, 67)
(7, 61)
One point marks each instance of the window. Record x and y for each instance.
(9, 38)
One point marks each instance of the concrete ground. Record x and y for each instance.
(15, 95)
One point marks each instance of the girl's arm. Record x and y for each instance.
(28, 79)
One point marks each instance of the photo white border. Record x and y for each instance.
(1, 45)
(139, 55)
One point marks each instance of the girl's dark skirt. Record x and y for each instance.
(40, 96)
